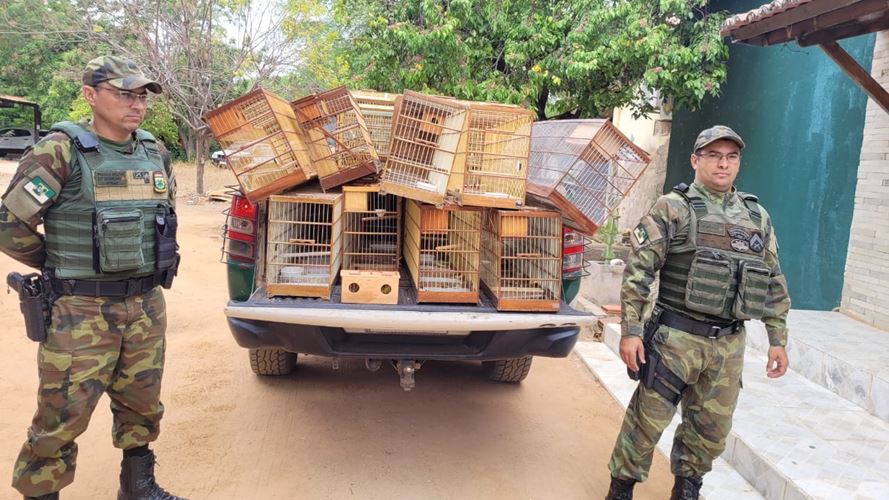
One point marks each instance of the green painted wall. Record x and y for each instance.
(802, 119)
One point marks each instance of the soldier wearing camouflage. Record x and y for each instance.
(716, 254)
(105, 193)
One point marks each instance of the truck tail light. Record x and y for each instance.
(572, 254)
(239, 232)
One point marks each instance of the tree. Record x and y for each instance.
(563, 58)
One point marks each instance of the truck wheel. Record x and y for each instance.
(270, 361)
(508, 370)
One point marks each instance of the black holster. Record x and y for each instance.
(654, 374)
(35, 300)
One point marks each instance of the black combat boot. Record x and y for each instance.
(137, 480)
(49, 496)
(621, 489)
(686, 488)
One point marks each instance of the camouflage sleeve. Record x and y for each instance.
(33, 189)
(777, 300)
(171, 176)
(650, 241)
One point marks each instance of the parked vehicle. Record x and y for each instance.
(15, 140)
(218, 158)
(275, 330)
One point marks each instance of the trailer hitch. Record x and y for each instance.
(406, 369)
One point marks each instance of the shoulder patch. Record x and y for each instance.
(39, 190)
(641, 234)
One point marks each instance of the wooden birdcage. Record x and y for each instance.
(338, 141)
(423, 152)
(377, 109)
(262, 144)
(584, 168)
(497, 146)
(442, 251)
(304, 248)
(372, 229)
(522, 259)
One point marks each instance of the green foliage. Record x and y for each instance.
(579, 58)
(35, 63)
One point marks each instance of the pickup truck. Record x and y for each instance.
(15, 140)
(275, 330)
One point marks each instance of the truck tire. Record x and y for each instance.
(271, 361)
(508, 370)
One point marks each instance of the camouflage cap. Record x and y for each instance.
(118, 72)
(716, 133)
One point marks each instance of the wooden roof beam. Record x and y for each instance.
(845, 31)
(857, 73)
(809, 27)
(788, 18)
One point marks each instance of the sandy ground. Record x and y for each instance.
(320, 433)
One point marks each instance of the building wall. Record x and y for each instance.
(803, 120)
(651, 133)
(866, 288)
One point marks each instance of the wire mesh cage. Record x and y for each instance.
(262, 144)
(522, 259)
(338, 140)
(442, 251)
(497, 147)
(304, 248)
(377, 109)
(423, 152)
(584, 168)
(372, 229)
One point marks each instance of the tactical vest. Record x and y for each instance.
(112, 220)
(719, 270)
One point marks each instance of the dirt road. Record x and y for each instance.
(319, 433)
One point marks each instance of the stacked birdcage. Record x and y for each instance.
(522, 259)
(377, 109)
(372, 229)
(423, 152)
(497, 146)
(304, 248)
(584, 168)
(442, 251)
(262, 144)
(337, 137)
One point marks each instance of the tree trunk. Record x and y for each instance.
(200, 154)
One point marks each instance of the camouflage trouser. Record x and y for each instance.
(712, 369)
(94, 346)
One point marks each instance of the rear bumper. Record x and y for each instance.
(555, 342)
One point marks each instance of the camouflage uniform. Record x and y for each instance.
(95, 345)
(712, 367)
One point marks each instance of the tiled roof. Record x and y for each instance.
(768, 10)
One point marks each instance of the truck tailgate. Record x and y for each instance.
(406, 316)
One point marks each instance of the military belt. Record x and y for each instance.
(696, 327)
(123, 288)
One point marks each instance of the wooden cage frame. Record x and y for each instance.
(378, 109)
(425, 146)
(304, 243)
(497, 147)
(442, 251)
(522, 259)
(583, 168)
(262, 143)
(338, 141)
(371, 229)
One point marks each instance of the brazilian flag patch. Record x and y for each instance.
(160, 183)
(641, 234)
